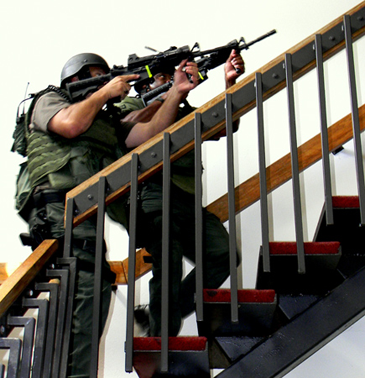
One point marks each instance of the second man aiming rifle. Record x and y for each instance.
(149, 218)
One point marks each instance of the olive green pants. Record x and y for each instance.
(182, 232)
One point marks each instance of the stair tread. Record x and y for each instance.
(179, 343)
(244, 296)
(256, 310)
(187, 357)
(345, 202)
(310, 248)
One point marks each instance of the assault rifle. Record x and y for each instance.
(210, 59)
(148, 66)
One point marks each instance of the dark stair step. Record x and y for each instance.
(321, 260)
(297, 292)
(291, 305)
(256, 310)
(188, 357)
(278, 354)
(347, 229)
(325, 255)
(235, 347)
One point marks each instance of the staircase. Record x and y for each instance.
(312, 308)
(306, 292)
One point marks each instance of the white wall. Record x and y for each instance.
(38, 37)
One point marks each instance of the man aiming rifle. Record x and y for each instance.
(149, 218)
(148, 66)
(69, 142)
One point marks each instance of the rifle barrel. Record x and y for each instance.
(234, 45)
(261, 38)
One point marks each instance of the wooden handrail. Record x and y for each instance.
(14, 285)
(278, 173)
(246, 194)
(3, 272)
(205, 108)
(120, 268)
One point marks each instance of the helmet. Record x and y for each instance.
(75, 64)
(166, 68)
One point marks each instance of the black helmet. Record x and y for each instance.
(166, 68)
(75, 64)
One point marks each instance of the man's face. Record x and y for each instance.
(94, 71)
(160, 79)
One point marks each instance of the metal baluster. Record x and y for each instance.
(355, 117)
(295, 165)
(324, 131)
(165, 253)
(28, 339)
(40, 335)
(131, 263)
(52, 288)
(68, 227)
(231, 210)
(262, 173)
(198, 218)
(14, 346)
(99, 250)
(71, 264)
(63, 276)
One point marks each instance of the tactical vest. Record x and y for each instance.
(20, 136)
(65, 163)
